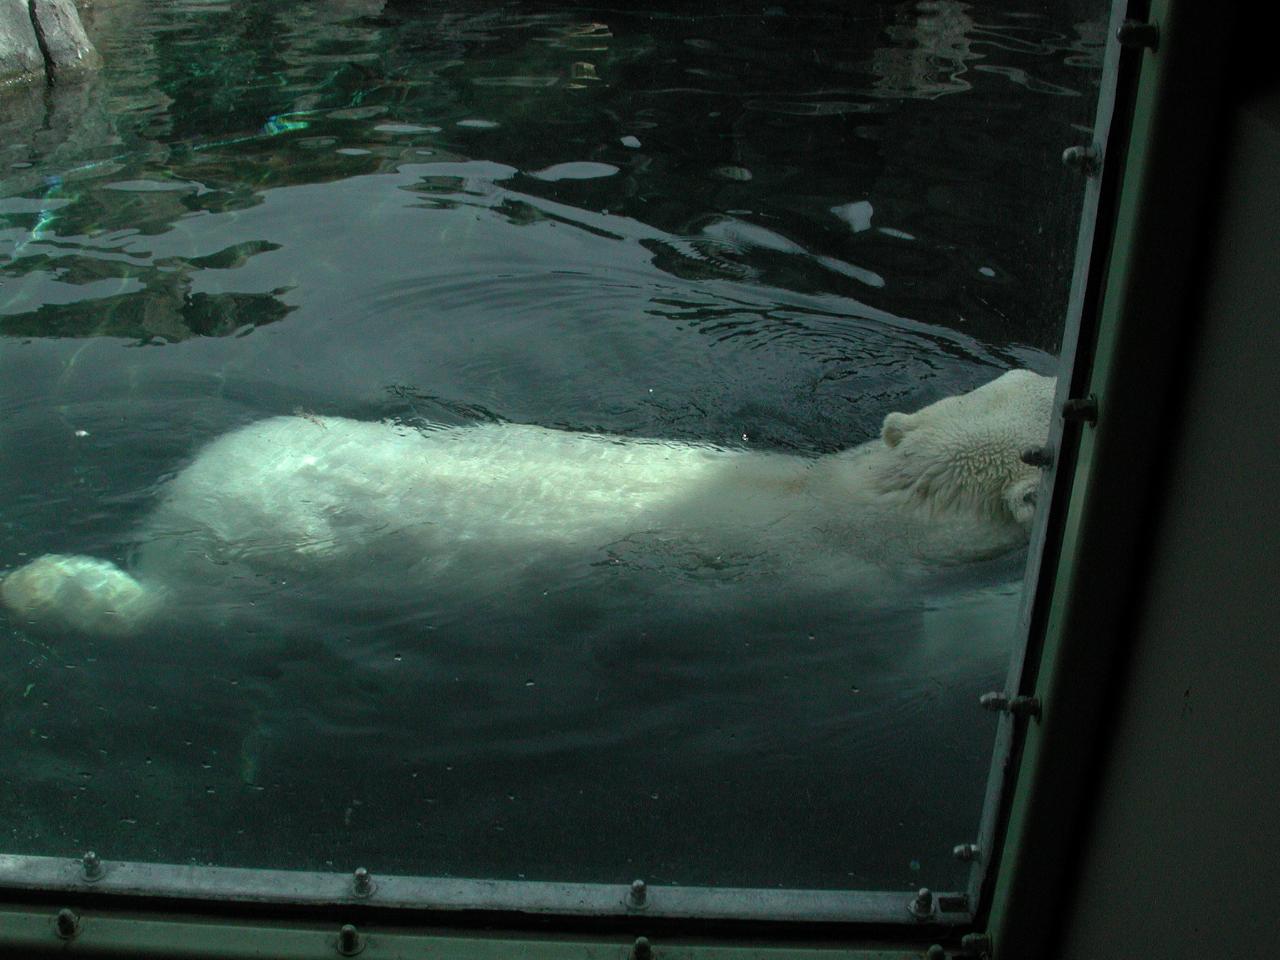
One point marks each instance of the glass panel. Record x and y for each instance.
(421, 430)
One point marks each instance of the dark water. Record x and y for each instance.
(765, 226)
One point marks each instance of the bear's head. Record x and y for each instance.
(965, 453)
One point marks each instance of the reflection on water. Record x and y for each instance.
(760, 229)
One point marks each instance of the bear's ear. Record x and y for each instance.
(895, 427)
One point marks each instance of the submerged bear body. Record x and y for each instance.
(409, 507)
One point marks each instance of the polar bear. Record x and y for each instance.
(944, 485)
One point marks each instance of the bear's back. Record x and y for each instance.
(312, 486)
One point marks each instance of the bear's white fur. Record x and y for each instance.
(943, 485)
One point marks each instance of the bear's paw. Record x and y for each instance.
(79, 593)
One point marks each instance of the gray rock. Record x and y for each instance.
(43, 39)
(20, 57)
(66, 47)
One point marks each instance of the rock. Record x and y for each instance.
(67, 49)
(43, 39)
(20, 57)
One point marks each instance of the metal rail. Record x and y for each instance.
(128, 879)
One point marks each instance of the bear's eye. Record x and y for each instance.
(1029, 497)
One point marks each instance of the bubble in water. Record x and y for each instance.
(400, 128)
(857, 214)
(575, 170)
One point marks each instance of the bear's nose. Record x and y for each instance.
(1037, 457)
(1029, 497)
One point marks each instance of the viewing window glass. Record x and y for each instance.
(531, 441)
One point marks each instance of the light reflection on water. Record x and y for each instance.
(750, 230)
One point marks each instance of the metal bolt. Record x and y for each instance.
(642, 949)
(1037, 457)
(361, 883)
(921, 905)
(994, 701)
(1138, 33)
(1081, 409)
(91, 867)
(966, 852)
(638, 895)
(350, 940)
(67, 923)
(1087, 160)
(1014, 706)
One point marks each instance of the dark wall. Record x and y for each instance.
(1183, 858)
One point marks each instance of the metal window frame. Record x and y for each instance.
(456, 897)
(1096, 161)
(28, 932)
